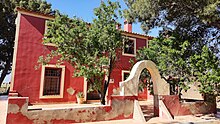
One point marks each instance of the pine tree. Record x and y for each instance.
(188, 45)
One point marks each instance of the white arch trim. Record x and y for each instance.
(129, 87)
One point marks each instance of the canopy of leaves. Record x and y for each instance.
(163, 12)
(91, 48)
(192, 51)
(174, 61)
(197, 21)
(8, 15)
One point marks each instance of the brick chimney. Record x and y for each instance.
(127, 26)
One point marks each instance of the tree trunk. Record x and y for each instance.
(4, 72)
(209, 98)
(104, 93)
(107, 83)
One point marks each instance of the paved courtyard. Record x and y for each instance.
(199, 119)
(156, 120)
(62, 106)
(3, 109)
(190, 119)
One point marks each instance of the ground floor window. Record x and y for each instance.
(52, 81)
(125, 74)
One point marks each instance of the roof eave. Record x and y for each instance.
(35, 14)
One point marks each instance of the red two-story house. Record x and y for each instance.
(55, 84)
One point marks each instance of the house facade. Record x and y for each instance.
(55, 84)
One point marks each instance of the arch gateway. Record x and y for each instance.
(165, 105)
(129, 87)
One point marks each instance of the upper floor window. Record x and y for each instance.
(129, 47)
(46, 27)
(147, 45)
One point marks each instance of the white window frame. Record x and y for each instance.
(45, 29)
(122, 74)
(61, 81)
(147, 45)
(132, 55)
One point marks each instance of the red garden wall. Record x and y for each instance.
(177, 108)
(120, 107)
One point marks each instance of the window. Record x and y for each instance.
(147, 45)
(130, 47)
(125, 75)
(52, 81)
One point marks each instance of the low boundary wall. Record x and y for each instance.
(120, 107)
(177, 108)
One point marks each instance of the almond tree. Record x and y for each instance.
(91, 48)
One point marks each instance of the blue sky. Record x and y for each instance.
(84, 10)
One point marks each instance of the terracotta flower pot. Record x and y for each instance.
(80, 100)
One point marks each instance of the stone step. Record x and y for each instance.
(148, 116)
(13, 94)
(148, 111)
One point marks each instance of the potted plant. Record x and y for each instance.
(80, 97)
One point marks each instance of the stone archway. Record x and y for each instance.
(129, 87)
(165, 105)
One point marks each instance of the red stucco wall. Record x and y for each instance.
(124, 64)
(30, 47)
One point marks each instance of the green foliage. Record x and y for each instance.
(194, 21)
(169, 12)
(206, 69)
(40, 6)
(144, 81)
(174, 61)
(188, 45)
(91, 48)
(163, 52)
(168, 58)
(7, 28)
(80, 95)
